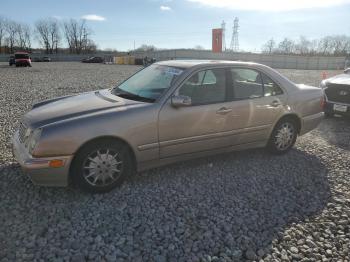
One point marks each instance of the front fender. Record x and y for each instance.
(136, 126)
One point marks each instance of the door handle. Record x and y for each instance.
(224, 110)
(275, 103)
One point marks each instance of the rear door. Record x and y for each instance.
(255, 106)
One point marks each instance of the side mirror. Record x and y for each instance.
(180, 100)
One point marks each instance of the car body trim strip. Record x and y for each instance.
(148, 146)
(214, 135)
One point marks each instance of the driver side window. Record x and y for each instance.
(205, 87)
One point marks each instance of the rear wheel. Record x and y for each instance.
(101, 166)
(283, 136)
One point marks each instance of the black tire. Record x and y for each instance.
(83, 168)
(273, 144)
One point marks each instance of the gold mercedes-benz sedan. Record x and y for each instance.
(170, 111)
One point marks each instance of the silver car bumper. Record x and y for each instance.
(38, 169)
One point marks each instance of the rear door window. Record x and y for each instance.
(270, 87)
(247, 83)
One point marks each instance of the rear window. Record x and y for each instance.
(21, 56)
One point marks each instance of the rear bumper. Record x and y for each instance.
(329, 108)
(310, 122)
(38, 169)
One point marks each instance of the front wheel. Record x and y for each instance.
(283, 137)
(101, 166)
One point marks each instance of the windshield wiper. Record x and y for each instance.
(121, 93)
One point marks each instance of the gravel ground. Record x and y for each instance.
(240, 206)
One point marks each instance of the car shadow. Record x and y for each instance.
(230, 203)
(336, 131)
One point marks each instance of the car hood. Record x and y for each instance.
(63, 108)
(342, 79)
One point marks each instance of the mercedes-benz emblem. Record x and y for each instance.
(343, 93)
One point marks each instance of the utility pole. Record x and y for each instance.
(223, 27)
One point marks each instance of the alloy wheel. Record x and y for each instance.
(284, 136)
(102, 167)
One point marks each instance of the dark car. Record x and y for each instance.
(22, 59)
(37, 59)
(12, 60)
(337, 94)
(46, 59)
(93, 59)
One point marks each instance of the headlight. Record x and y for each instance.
(27, 134)
(33, 140)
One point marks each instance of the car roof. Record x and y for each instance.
(196, 63)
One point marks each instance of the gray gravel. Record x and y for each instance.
(240, 206)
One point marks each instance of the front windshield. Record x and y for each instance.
(149, 83)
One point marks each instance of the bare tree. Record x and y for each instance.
(11, 28)
(313, 48)
(2, 32)
(338, 45)
(77, 34)
(146, 48)
(303, 46)
(23, 36)
(341, 44)
(89, 47)
(287, 46)
(326, 45)
(48, 33)
(269, 46)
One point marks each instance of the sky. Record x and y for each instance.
(117, 24)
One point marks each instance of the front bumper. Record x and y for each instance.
(330, 105)
(38, 169)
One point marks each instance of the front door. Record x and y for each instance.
(198, 127)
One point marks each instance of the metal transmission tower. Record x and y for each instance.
(234, 41)
(223, 27)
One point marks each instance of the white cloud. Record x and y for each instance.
(93, 17)
(270, 5)
(57, 17)
(165, 8)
